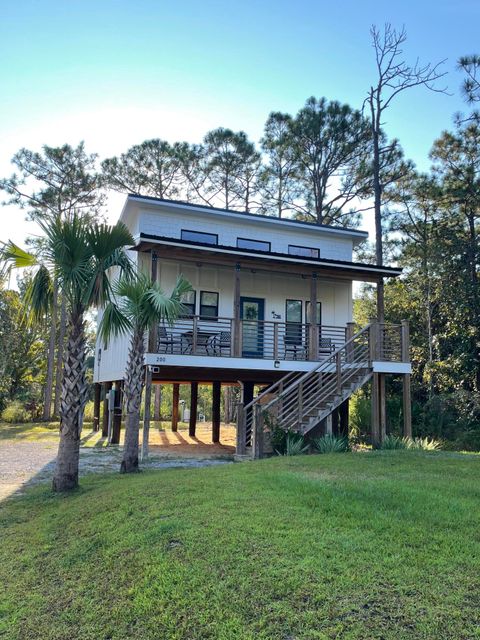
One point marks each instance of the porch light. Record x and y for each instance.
(276, 364)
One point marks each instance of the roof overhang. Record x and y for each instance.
(173, 248)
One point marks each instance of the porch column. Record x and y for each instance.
(313, 329)
(96, 406)
(407, 406)
(157, 401)
(407, 399)
(216, 391)
(106, 388)
(193, 409)
(375, 411)
(344, 418)
(236, 312)
(117, 412)
(329, 425)
(382, 410)
(146, 412)
(175, 398)
(350, 332)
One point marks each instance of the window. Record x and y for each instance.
(188, 302)
(293, 317)
(199, 236)
(293, 311)
(304, 252)
(208, 304)
(258, 245)
(319, 312)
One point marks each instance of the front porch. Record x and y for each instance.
(219, 337)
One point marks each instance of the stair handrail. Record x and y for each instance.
(315, 369)
(290, 374)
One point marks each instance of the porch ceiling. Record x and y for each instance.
(185, 251)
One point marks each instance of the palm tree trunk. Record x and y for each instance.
(60, 350)
(74, 396)
(47, 403)
(133, 397)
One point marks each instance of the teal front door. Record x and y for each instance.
(252, 312)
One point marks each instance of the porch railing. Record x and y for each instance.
(263, 339)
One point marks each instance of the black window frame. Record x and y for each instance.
(266, 242)
(293, 328)
(286, 309)
(199, 233)
(208, 306)
(299, 255)
(191, 313)
(307, 319)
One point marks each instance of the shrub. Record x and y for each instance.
(15, 411)
(425, 444)
(360, 415)
(419, 444)
(331, 444)
(295, 445)
(88, 412)
(394, 442)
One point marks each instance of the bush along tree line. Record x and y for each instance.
(325, 164)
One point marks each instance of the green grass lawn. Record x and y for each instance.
(367, 545)
(29, 431)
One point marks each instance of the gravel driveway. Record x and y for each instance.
(26, 463)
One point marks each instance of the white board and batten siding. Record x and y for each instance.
(333, 244)
(274, 288)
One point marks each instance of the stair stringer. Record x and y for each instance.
(335, 403)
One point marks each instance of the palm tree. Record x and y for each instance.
(77, 255)
(140, 305)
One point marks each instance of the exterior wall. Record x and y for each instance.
(275, 289)
(161, 222)
(111, 357)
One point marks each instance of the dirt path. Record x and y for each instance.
(31, 462)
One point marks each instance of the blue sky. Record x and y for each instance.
(115, 73)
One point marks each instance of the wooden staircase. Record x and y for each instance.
(300, 401)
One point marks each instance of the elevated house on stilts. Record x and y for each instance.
(271, 309)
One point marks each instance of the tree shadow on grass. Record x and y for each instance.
(28, 430)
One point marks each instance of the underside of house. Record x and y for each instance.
(270, 309)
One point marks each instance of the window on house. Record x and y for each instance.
(257, 245)
(188, 302)
(304, 252)
(208, 304)
(199, 236)
(319, 312)
(293, 317)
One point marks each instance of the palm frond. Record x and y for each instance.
(68, 251)
(113, 323)
(145, 303)
(39, 295)
(169, 307)
(16, 256)
(105, 239)
(182, 286)
(107, 244)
